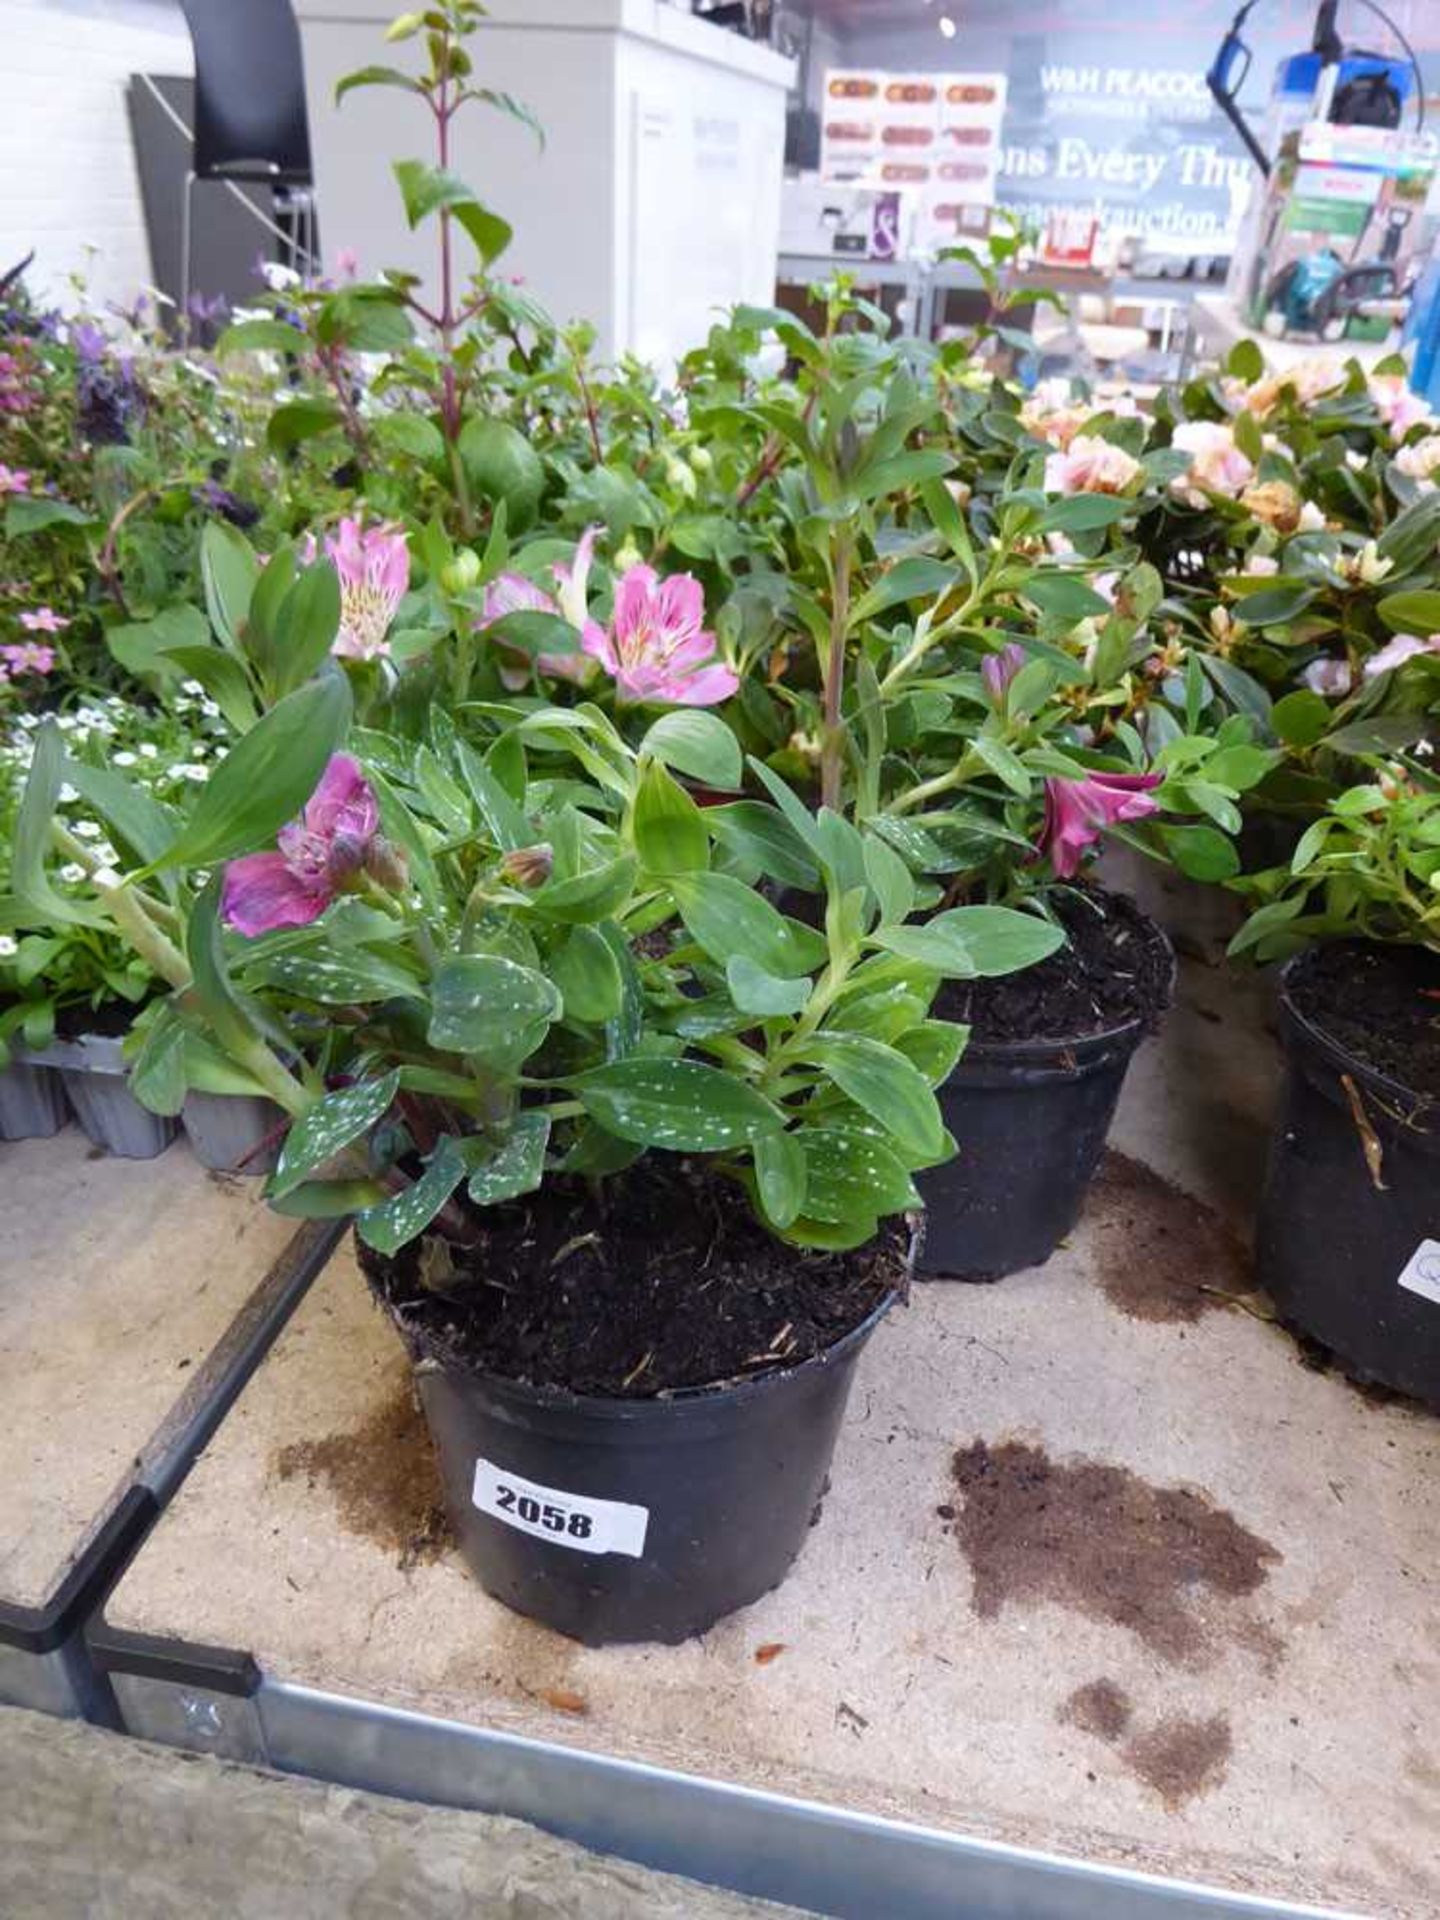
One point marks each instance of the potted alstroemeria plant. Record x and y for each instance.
(627, 1147)
(1348, 1242)
(974, 669)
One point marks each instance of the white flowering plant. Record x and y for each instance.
(59, 961)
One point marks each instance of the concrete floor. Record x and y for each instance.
(120, 1283)
(1177, 1611)
(94, 1826)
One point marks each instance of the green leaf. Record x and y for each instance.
(33, 513)
(1301, 718)
(913, 579)
(935, 1047)
(670, 834)
(492, 1007)
(135, 819)
(1239, 767)
(335, 1122)
(885, 1084)
(1416, 612)
(489, 234)
(1246, 361)
(306, 626)
(1062, 596)
(300, 420)
(142, 646)
(898, 472)
(780, 1177)
(729, 919)
(852, 1176)
(587, 973)
(267, 777)
(327, 1199)
(1203, 853)
(223, 678)
(1241, 689)
(1273, 605)
(1001, 940)
(29, 881)
(1085, 513)
(229, 570)
(261, 336)
(597, 895)
(412, 435)
(1005, 765)
(678, 1105)
(376, 77)
(158, 1078)
(515, 1168)
(533, 631)
(890, 880)
(697, 743)
(761, 839)
(764, 994)
(501, 465)
(388, 1227)
(355, 978)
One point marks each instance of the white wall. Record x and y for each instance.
(67, 168)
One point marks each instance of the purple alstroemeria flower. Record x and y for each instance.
(1077, 810)
(657, 647)
(319, 856)
(513, 593)
(997, 670)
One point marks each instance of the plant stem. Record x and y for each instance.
(832, 738)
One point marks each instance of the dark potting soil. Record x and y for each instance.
(1115, 967)
(1380, 1003)
(670, 1283)
(112, 1020)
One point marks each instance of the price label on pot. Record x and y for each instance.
(1422, 1271)
(564, 1519)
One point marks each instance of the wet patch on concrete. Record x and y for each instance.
(1160, 1254)
(1165, 1563)
(1179, 1759)
(384, 1479)
(1100, 1708)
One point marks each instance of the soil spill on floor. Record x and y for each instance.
(384, 1479)
(1179, 1758)
(1176, 1758)
(1100, 1708)
(1102, 1541)
(1160, 1254)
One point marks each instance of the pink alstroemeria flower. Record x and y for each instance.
(657, 647)
(13, 480)
(374, 568)
(997, 670)
(513, 593)
(1405, 646)
(318, 856)
(43, 620)
(30, 657)
(1090, 465)
(1077, 810)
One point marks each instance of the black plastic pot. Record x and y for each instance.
(1349, 1262)
(700, 1501)
(1031, 1118)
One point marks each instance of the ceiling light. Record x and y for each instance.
(947, 26)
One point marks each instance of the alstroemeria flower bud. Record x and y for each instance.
(528, 866)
